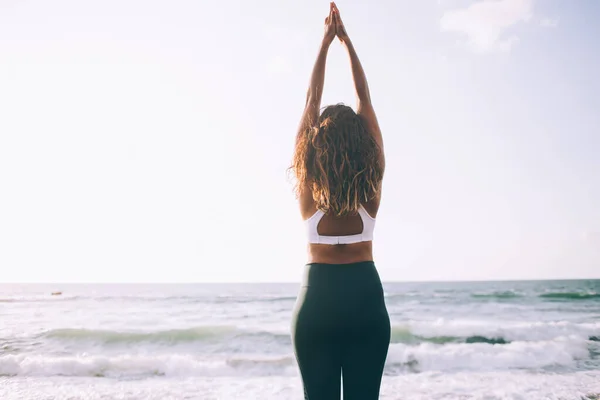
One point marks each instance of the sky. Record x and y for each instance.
(148, 141)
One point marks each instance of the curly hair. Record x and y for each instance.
(338, 160)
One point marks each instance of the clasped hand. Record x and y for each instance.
(334, 25)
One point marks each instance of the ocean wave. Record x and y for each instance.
(172, 336)
(562, 352)
(439, 331)
(401, 334)
(390, 296)
(508, 294)
(402, 358)
(566, 296)
(131, 366)
(472, 333)
(483, 339)
(456, 331)
(107, 336)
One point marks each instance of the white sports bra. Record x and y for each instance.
(366, 235)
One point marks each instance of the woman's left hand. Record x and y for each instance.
(330, 24)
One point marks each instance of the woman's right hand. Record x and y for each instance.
(340, 29)
(330, 25)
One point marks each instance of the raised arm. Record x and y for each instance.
(317, 78)
(364, 107)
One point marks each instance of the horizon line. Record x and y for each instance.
(287, 282)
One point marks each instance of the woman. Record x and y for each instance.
(340, 326)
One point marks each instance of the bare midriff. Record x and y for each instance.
(340, 253)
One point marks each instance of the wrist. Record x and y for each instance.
(326, 43)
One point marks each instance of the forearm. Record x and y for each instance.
(358, 75)
(317, 79)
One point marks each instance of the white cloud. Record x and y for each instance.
(549, 23)
(506, 45)
(485, 23)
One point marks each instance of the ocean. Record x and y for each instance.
(467, 340)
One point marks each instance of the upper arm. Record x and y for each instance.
(367, 113)
(310, 115)
(307, 203)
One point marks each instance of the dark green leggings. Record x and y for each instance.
(341, 331)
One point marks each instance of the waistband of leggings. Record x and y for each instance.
(333, 275)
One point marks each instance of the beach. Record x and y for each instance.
(459, 340)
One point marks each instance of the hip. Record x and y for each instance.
(342, 286)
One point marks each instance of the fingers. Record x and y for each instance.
(336, 12)
(338, 21)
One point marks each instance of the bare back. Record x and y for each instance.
(331, 225)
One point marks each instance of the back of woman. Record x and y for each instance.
(340, 326)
